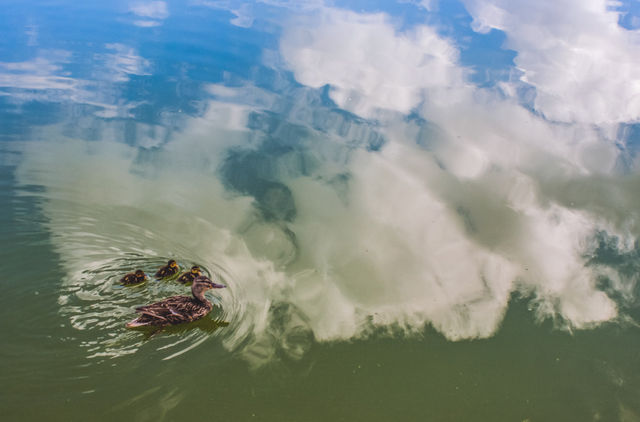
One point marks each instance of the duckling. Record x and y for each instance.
(134, 278)
(188, 277)
(177, 309)
(168, 270)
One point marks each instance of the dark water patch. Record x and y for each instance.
(254, 174)
(624, 287)
(284, 152)
(465, 215)
(284, 133)
(610, 252)
(161, 94)
(275, 201)
(291, 328)
(35, 341)
(18, 119)
(541, 375)
(301, 112)
(629, 137)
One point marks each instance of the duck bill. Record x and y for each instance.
(218, 286)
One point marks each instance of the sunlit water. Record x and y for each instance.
(422, 210)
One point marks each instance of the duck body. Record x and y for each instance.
(188, 277)
(134, 278)
(171, 311)
(177, 309)
(168, 270)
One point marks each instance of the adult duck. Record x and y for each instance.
(168, 270)
(177, 309)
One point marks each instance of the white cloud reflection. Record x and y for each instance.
(121, 63)
(245, 13)
(473, 199)
(584, 65)
(369, 66)
(44, 72)
(488, 161)
(44, 78)
(152, 12)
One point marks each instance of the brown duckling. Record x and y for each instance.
(134, 278)
(168, 270)
(189, 276)
(177, 309)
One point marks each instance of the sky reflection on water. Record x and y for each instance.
(344, 167)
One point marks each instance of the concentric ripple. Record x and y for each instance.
(93, 299)
(101, 233)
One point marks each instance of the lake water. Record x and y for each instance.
(422, 210)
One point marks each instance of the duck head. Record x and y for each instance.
(206, 283)
(201, 284)
(195, 270)
(172, 263)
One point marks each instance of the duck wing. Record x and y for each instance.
(186, 278)
(173, 310)
(131, 279)
(166, 271)
(162, 272)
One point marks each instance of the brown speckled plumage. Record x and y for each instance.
(168, 270)
(134, 278)
(177, 309)
(188, 277)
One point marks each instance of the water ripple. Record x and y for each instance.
(93, 299)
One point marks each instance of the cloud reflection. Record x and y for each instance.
(245, 12)
(152, 12)
(584, 65)
(468, 198)
(489, 161)
(46, 78)
(44, 72)
(123, 62)
(376, 68)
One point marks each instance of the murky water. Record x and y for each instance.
(422, 210)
